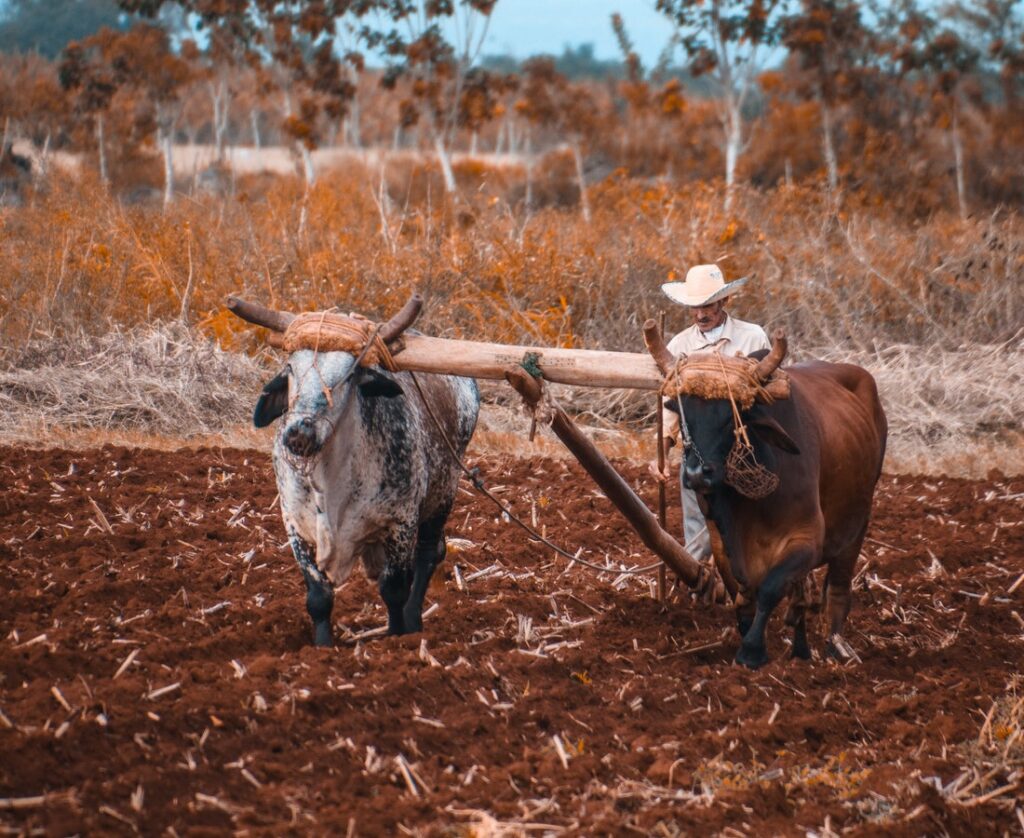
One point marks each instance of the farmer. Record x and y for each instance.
(704, 293)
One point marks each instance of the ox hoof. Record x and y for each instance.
(404, 629)
(752, 657)
(322, 637)
(801, 653)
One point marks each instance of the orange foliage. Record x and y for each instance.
(74, 258)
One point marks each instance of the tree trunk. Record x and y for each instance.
(958, 155)
(308, 174)
(446, 164)
(472, 144)
(733, 145)
(101, 146)
(529, 175)
(219, 99)
(828, 144)
(44, 156)
(577, 157)
(355, 134)
(499, 139)
(308, 171)
(166, 139)
(254, 118)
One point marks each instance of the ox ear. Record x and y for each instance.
(376, 383)
(772, 432)
(273, 402)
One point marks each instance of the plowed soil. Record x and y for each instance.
(156, 672)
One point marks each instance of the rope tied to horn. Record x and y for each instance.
(712, 376)
(332, 331)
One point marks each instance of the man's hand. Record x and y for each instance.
(662, 476)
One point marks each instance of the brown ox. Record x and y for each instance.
(825, 443)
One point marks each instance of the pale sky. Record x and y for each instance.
(527, 27)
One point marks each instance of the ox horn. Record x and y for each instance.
(403, 320)
(655, 342)
(770, 362)
(276, 321)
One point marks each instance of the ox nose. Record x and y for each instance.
(700, 478)
(300, 438)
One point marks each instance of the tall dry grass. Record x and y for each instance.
(915, 302)
(75, 258)
(164, 379)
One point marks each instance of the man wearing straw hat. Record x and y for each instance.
(704, 293)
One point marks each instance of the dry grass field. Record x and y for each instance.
(933, 309)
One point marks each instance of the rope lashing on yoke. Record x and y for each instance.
(332, 331)
(712, 376)
(544, 410)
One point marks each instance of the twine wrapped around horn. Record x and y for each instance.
(710, 375)
(328, 331)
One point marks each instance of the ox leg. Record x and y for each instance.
(319, 590)
(430, 552)
(839, 598)
(796, 617)
(779, 581)
(745, 609)
(396, 579)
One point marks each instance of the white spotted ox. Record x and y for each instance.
(363, 470)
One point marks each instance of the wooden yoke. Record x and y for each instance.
(617, 490)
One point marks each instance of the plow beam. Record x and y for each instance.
(474, 359)
(615, 488)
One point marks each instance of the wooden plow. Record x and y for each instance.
(525, 368)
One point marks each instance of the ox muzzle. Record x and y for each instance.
(301, 438)
(700, 476)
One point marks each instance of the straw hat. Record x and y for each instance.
(704, 285)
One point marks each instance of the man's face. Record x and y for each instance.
(710, 316)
